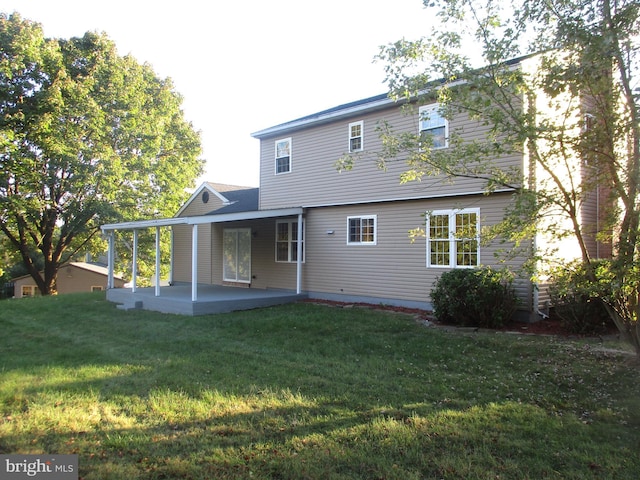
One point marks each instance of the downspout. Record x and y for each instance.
(299, 258)
(532, 180)
(536, 286)
(597, 218)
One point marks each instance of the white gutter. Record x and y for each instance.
(161, 222)
(254, 215)
(226, 217)
(323, 118)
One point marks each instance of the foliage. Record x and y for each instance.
(479, 297)
(86, 137)
(579, 307)
(555, 84)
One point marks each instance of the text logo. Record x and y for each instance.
(45, 467)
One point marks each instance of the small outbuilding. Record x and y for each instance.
(72, 277)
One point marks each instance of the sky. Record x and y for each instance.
(242, 66)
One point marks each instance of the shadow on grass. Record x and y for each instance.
(324, 440)
(305, 391)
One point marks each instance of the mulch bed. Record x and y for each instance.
(547, 326)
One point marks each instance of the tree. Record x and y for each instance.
(574, 117)
(86, 137)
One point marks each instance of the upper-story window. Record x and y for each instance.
(433, 126)
(362, 230)
(283, 156)
(356, 136)
(453, 238)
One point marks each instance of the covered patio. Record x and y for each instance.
(211, 299)
(194, 298)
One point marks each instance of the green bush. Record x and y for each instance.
(479, 297)
(576, 303)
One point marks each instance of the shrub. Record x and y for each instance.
(480, 297)
(576, 303)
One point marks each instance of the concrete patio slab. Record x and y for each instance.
(212, 299)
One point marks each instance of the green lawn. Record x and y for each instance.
(308, 391)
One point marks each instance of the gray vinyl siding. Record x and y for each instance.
(544, 299)
(394, 268)
(593, 217)
(182, 241)
(589, 221)
(314, 179)
(198, 207)
(265, 271)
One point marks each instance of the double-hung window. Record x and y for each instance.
(356, 137)
(283, 155)
(453, 238)
(362, 230)
(287, 241)
(433, 127)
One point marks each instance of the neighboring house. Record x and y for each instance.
(72, 277)
(340, 236)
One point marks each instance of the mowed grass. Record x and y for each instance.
(308, 391)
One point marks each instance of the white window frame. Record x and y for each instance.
(276, 152)
(353, 137)
(97, 288)
(237, 234)
(427, 122)
(292, 245)
(29, 290)
(363, 217)
(451, 240)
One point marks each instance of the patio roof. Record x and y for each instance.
(212, 217)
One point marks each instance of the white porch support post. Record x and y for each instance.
(157, 261)
(134, 267)
(171, 260)
(194, 263)
(299, 262)
(110, 259)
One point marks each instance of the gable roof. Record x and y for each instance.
(90, 267)
(225, 188)
(329, 115)
(220, 190)
(358, 107)
(240, 200)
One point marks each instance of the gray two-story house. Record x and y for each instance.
(315, 231)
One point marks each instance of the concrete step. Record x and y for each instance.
(137, 305)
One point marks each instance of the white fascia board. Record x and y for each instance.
(255, 215)
(160, 222)
(323, 118)
(194, 195)
(409, 198)
(320, 118)
(228, 217)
